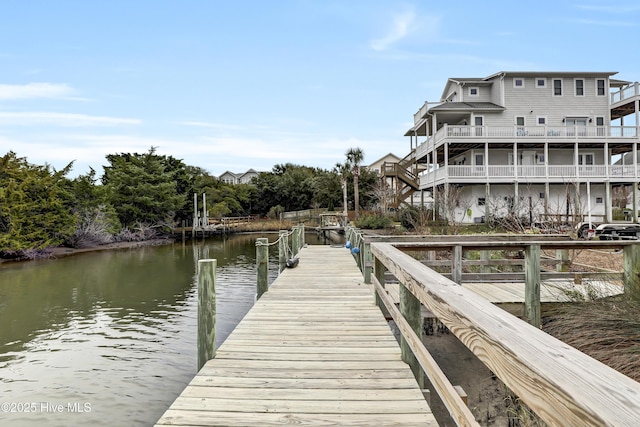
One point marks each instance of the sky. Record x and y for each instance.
(234, 85)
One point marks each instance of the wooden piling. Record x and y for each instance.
(206, 311)
(283, 242)
(262, 264)
(632, 272)
(410, 309)
(532, 284)
(295, 241)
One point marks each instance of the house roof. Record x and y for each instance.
(383, 157)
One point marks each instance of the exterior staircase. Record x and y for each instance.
(405, 177)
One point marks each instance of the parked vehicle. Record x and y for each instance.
(618, 231)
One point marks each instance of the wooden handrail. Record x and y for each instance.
(561, 384)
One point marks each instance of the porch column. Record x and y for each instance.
(577, 206)
(607, 203)
(575, 157)
(486, 159)
(487, 194)
(515, 160)
(607, 159)
(516, 197)
(635, 160)
(634, 187)
(546, 197)
(546, 160)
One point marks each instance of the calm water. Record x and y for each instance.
(109, 338)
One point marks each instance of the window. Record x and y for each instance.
(542, 195)
(579, 87)
(479, 159)
(585, 159)
(541, 82)
(600, 89)
(473, 91)
(600, 126)
(520, 131)
(541, 120)
(481, 201)
(557, 87)
(540, 158)
(518, 82)
(599, 200)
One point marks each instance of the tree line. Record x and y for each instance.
(141, 195)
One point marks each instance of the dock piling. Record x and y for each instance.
(206, 311)
(262, 264)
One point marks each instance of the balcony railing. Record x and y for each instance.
(624, 93)
(527, 172)
(455, 133)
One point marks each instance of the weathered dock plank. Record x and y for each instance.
(314, 350)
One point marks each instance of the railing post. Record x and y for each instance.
(632, 272)
(282, 250)
(456, 264)
(262, 264)
(532, 284)
(410, 309)
(295, 245)
(206, 311)
(302, 239)
(378, 272)
(563, 256)
(368, 262)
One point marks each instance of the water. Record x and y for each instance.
(109, 338)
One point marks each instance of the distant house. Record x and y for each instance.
(529, 144)
(377, 166)
(238, 178)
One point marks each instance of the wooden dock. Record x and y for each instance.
(314, 350)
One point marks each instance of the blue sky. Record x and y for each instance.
(233, 85)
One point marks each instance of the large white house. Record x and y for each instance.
(531, 144)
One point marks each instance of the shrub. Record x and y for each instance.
(374, 221)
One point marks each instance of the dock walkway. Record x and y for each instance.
(314, 350)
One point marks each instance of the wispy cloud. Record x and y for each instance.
(604, 23)
(35, 90)
(612, 8)
(61, 119)
(400, 28)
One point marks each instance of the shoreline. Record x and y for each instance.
(61, 252)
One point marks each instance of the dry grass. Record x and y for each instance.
(607, 330)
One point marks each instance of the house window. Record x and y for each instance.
(479, 159)
(518, 82)
(557, 87)
(600, 89)
(481, 201)
(520, 131)
(541, 82)
(542, 195)
(540, 158)
(473, 91)
(541, 120)
(585, 159)
(579, 87)
(599, 200)
(600, 126)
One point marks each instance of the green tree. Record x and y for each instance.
(354, 157)
(97, 220)
(143, 188)
(34, 205)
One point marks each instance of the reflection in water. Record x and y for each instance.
(113, 330)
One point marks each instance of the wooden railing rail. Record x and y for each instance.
(561, 384)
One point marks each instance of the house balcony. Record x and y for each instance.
(495, 174)
(527, 134)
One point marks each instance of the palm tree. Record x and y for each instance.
(354, 157)
(342, 169)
